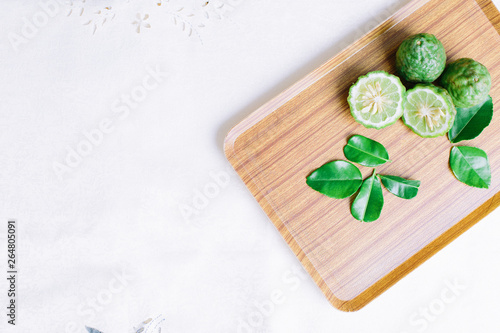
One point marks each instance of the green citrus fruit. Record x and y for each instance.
(467, 81)
(420, 58)
(429, 111)
(376, 99)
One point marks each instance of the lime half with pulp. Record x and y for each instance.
(376, 99)
(428, 111)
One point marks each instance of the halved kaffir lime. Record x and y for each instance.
(428, 111)
(376, 99)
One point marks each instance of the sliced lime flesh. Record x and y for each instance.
(428, 111)
(376, 99)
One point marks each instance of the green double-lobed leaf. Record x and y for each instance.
(337, 179)
(400, 187)
(365, 151)
(470, 122)
(471, 166)
(368, 204)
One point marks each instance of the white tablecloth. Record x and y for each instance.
(113, 115)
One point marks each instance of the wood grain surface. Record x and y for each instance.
(277, 146)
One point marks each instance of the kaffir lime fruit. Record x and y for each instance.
(376, 99)
(429, 110)
(420, 58)
(467, 81)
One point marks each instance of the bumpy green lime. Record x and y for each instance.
(467, 81)
(429, 111)
(420, 58)
(376, 99)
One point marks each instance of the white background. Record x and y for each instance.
(104, 242)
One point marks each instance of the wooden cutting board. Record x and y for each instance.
(277, 146)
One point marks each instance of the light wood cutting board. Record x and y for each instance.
(277, 146)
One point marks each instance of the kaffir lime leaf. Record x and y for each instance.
(376, 99)
(428, 111)
(468, 82)
(420, 58)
